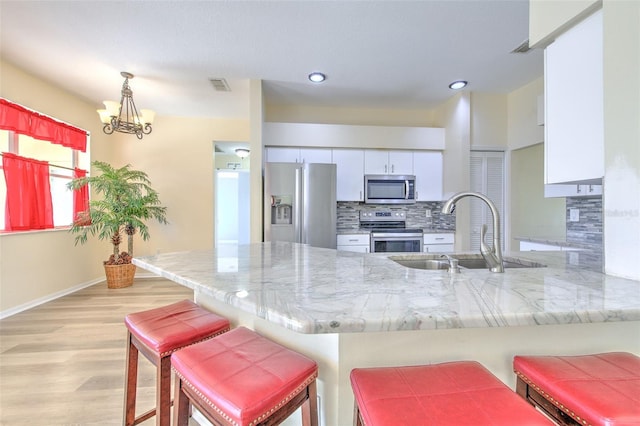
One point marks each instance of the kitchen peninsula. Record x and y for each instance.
(347, 309)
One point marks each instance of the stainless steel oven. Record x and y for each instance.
(390, 241)
(389, 233)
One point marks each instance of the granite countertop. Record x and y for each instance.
(315, 290)
(560, 242)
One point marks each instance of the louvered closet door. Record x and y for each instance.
(487, 177)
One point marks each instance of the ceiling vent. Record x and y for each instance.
(220, 84)
(523, 48)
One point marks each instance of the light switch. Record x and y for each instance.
(427, 213)
(574, 215)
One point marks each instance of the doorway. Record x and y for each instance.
(232, 195)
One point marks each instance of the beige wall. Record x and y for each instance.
(354, 116)
(622, 138)
(522, 105)
(532, 215)
(178, 157)
(37, 264)
(489, 119)
(455, 117)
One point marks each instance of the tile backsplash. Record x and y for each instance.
(349, 214)
(588, 229)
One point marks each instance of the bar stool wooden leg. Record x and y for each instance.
(163, 391)
(131, 382)
(310, 407)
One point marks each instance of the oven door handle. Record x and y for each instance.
(406, 189)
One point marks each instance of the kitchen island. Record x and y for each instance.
(348, 310)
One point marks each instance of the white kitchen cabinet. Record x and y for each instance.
(281, 155)
(439, 243)
(276, 154)
(350, 174)
(574, 118)
(354, 242)
(560, 190)
(428, 169)
(385, 162)
(531, 246)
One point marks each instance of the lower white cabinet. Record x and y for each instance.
(354, 242)
(439, 243)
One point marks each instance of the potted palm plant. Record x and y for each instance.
(127, 202)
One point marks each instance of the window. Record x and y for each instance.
(62, 160)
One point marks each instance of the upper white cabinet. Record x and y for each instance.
(574, 131)
(574, 190)
(349, 174)
(384, 162)
(427, 167)
(298, 155)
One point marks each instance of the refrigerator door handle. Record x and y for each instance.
(297, 215)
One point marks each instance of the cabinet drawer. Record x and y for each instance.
(437, 248)
(353, 239)
(438, 238)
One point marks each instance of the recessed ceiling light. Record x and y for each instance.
(457, 84)
(317, 77)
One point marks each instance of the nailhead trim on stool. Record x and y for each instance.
(458, 393)
(244, 379)
(157, 333)
(588, 390)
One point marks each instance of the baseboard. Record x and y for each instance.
(33, 303)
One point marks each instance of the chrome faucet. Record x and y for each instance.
(491, 255)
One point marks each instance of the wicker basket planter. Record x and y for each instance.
(120, 276)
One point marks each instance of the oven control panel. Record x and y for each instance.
(382, 216)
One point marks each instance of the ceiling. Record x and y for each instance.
(376, 54)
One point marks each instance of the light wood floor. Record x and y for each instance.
(62, 363)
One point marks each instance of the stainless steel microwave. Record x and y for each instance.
(389, 189)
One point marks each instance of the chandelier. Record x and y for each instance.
(123, 116)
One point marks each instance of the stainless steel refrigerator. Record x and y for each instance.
(300, 203)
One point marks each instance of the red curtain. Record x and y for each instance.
(38, 126)
(29, 203)
(81, 200)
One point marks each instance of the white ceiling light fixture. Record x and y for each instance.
(242, 152)
(317, 77)
(123, 116)
(459, 84)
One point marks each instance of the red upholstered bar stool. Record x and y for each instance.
(449, 394)
(157, 333)
(242, 378)
(599, 389)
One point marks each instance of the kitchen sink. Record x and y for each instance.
(422, 263)
(465, 261)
